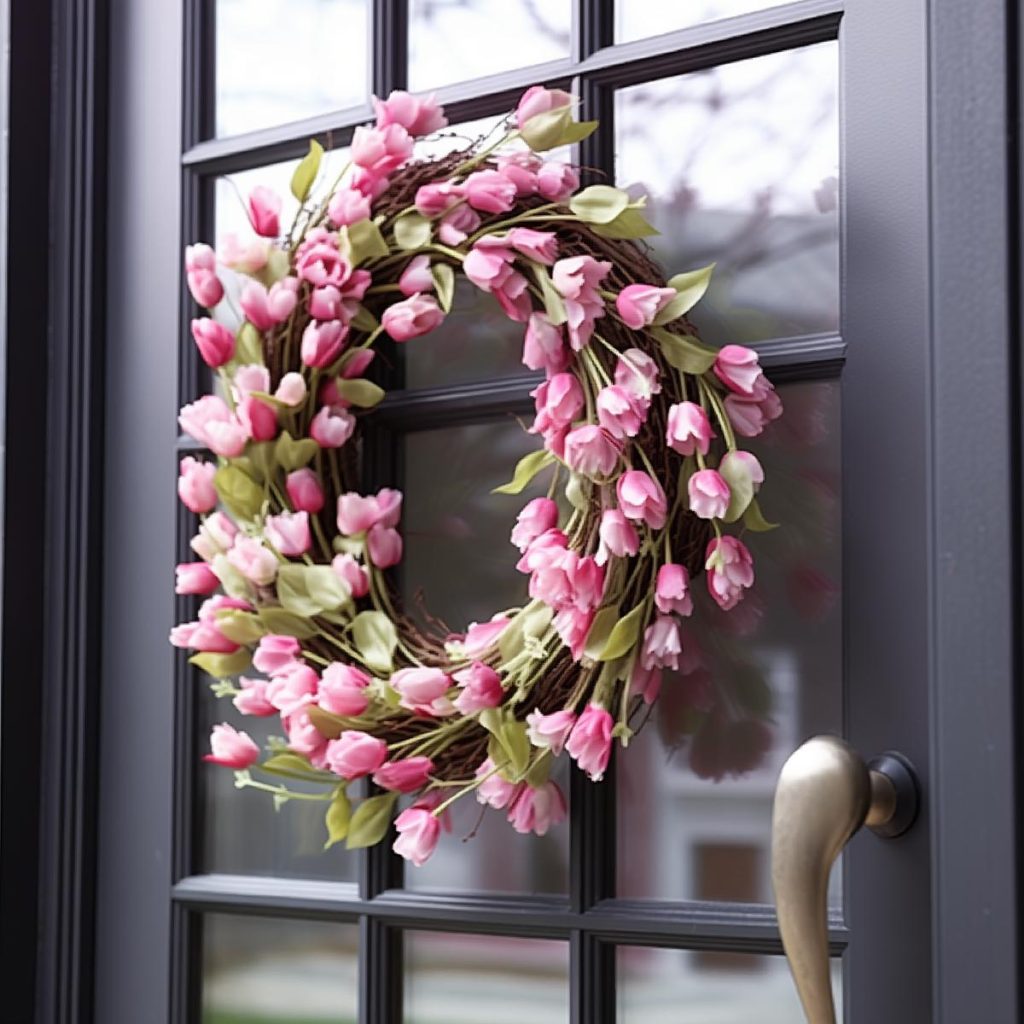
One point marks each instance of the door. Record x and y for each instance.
(821, 154)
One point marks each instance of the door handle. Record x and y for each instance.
(824, 795)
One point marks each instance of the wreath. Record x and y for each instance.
(638, 423)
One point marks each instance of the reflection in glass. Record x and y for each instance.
(638, 19)
(259, 970)
(242, 833)
(469, 979)
(670, 986)
(283, 60)
(740, 163)
(455, 40)
(696, 785)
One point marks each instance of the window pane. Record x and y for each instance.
(259, 970)
(469, 979)
(638, 19)
(283, 60)
(455, 40)
(740, 163)
(458, 554)
(696, 785)
(671, 986)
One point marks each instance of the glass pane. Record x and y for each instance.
(259, 970)
(672, 986)
(458, 554)
(470, 979)
(695, 787)
(740, 163)
(243, 834)
(455, 40)
(283, 60)
(638, 19)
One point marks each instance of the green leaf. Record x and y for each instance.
(338, 818)
(261, 457)
(539, 772)
(412, 231)
(239, 626)
(292, 454)
(741, 487)
(526, 469)
(233, 582)
(578, 491)
(631, 223)
(685, 352)
(555, 128)
(285, 623)
(532, 622)
(364, 320)
(305, 173)
(308, 590)
(601, 630)
(754, 520)
(293, 766)
(554, 304)
(239, 492)
(222, 665)
(577, 131)
(444, 284)
(690, 288)
(376, 638)
(248, 345)
(328, 725)
(362, 242)
(516, 743)
(363, 393)
(370, 822)
(624, 634)
(599, 204)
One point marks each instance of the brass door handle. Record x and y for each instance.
(824, 795)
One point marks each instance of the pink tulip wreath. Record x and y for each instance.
(638, 419)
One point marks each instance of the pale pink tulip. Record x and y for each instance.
(592, 451)
(749, 416)
(739, 369)
(351, 572)
(438, 198)
(289, 533)
(590, 742)
(639, 304)
(416, 277)
(423, 690)
(347, 206)
(384, 546)
(729, 570)
(558, 401)
(638, 373)
(356, 513)
(662, 644)
(689, 430)
(412, 317)
(539, 100)
(418, 833)
(572, 626)
(201, 275)
(619, 412)
(245, 257)
(255, 562)
(291, 390)
(618, 536)
(495, 791)
(322, 342)
(343, 690)
(252, 698)
(332, 426)
(708, 493)
(418, 115)
(642, 499)
(482, 635)
(404, 776)
(537, 809)
(275, 653)
(195, 485)
(379, 151)
(231, 748)
(481, 688)
(672, 591)
(537, 516)
(550, 731)
(556, 181)
(539, 246)
(355, 754)
(266, 308)
(456, 225)
(544, 346)
(293, 688)
(489, 192)
(250, 378)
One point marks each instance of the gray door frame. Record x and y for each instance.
(931, 561)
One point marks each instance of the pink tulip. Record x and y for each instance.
(211, 422)
(264, 211)
(544, 346)
(202, 636)
(195, 485)
(293, 688)
(591, 450)
(672, 591)
(347, 206)
(586, 577)
(639, 304)
(384, 546)
(252, 698)
(418, 833)
(332, 426)
(550, 581)
(355, 362)
(481, 688)
(356, 513)
(590, 742)
(495, 791)
(619, 412)
(488, 267)
(201, 275)
(215, 536)
(195, 578)
(489, 192)
(539, 246)
(744, 463)
(558, 400)
(231, 748)
(572, 626)
(248, 379)
(438, 198)
(304, 490)
(642, 499)
(537, 516)
(274, 653)
(352, 573)
(689, 429)
(325, 303)
(546, 550)
(412, 317)
(550, 731)
(266, 308)
(709, 494)
(645, 683)
(730, 570)
(662, 644)
(404, 776)
(578, 277)
(379, 151)
(521, 169)
(749, 416)
(638, 373)
(416, 277)
(537, 809)
(343, 690)
(456, 225)
(209, 609)
(291, 390)
(557, 181)
(318, 260)
(305, 738)
(355, 754)
(739, 369)
(322, 342)
(618, 536)
(418, 115)
(258, 418)
(289, 533)
(215, 342)
(423, 690)
(389, 506)
(539, 100)
(248, 257)
(255, 562)
(482, 635)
